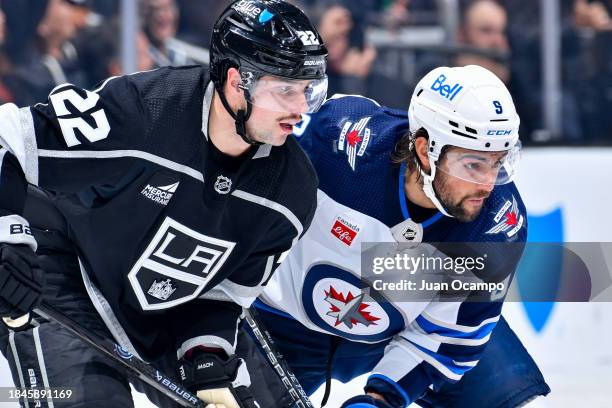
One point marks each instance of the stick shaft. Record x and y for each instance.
(143, 371)
(276, 359)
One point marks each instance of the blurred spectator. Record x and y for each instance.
(5, 93)
(52, 59)
(594, 86)
(83, 15)
(159, 19)
(2, 27)
(197, 19)
(397, 14)
(526, 84)
(483, 26)
(594, 15)
(349, 62)
(99, 51)
(22, 19)
(106, 8)
(410, 12)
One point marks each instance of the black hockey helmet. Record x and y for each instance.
(268, 38)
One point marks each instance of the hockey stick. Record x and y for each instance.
(276, 359)
(164, 384)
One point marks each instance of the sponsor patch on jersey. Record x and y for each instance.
(507, 220)
(344, 230)
(176, 265)
(354, 139)
(160, 194)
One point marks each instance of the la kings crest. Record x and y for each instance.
(176, 265)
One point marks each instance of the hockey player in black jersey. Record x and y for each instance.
(169, 199)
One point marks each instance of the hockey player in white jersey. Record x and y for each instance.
(442, 173)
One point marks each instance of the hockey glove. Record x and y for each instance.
(21, 280)
(365, 401)
(217, 381)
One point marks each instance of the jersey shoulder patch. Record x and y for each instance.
(351, 130)
(506, 213)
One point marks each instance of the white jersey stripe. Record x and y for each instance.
(112, 154)
(41, 363)
(458, 327)
(17, 364)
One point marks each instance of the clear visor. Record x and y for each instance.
(278, 94)
(490, 168)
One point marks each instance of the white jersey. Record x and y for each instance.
(333, 244)
(360, 198)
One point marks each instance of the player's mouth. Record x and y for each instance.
(286, 127)
(476, 201)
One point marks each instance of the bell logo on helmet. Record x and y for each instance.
(499, 132)
(447, 91)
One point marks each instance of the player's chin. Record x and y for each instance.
(466, 211)
(470, 212)
(281, 135)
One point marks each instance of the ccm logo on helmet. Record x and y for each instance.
(447, 91)
(499, 132)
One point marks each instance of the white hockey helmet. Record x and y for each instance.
(467, 107)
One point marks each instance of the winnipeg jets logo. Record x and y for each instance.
(354, 139)
(223, 185)
(350, 310)
(161, 290)
(508, 220)
(161, 194)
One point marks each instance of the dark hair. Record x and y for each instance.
(405, 150)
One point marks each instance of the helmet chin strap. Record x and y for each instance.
(240, 117)
(430, 192)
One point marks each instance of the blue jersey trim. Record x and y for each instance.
(404, 204)
(402, 193)
(448, 362)
(395, 385)
(433, 219)
(479, 333)
(262, 306)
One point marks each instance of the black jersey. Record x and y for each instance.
(173, 236)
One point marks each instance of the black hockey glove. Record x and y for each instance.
(217, 381)
(365, 401)
(21, 280)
